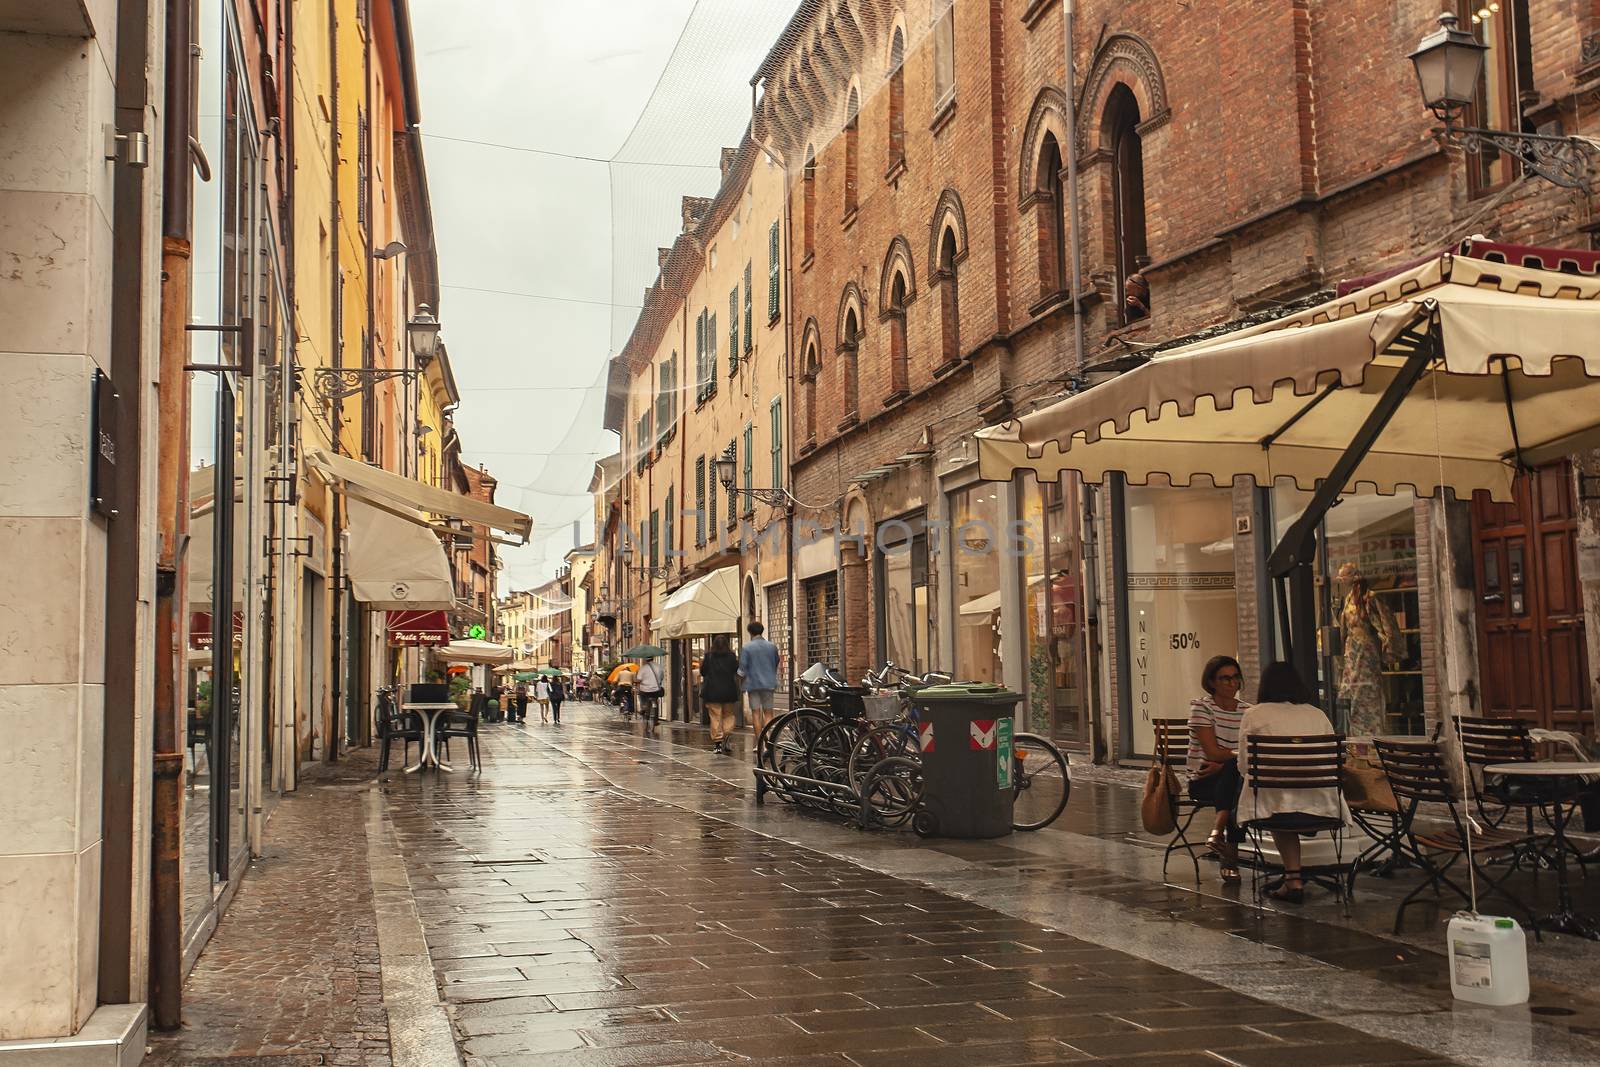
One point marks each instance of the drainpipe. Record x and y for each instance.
(330, 741)
(172, 521)
(1067, 22)
(784, 238)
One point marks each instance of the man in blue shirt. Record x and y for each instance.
(758, 675)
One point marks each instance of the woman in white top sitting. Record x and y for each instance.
(1284, 705)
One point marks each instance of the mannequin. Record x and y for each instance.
(1372, 642)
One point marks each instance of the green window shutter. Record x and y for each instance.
(772, 273)
(655, 539)
(700, 500)
(777, 442)
(749, 461)
(711, 504)
(670, 524)
(749, 331)
(733, 496)
(711, 355)
(700, 355)
(733, 331)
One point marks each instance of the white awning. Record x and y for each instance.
(707, 605)
(469, 651)
(394, 563)
(397, 489)
(1513, 376)
(199, 557)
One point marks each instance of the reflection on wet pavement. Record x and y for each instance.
(601, 897)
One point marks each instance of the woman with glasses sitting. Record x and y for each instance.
(1213, 763)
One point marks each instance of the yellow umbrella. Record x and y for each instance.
(611, 678)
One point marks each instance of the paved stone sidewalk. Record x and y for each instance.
(293, 970)
(575, 922)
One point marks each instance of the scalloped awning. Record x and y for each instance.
(1516, 371)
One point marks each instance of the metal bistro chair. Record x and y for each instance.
(459, 724)
(1172, 752)
(1417, 774)
(1488, 741)
(396, 725)
(1299, 763)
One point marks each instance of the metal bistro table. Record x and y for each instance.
(430, 716)
(1560, 781)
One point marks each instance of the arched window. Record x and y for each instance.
(808, 203)
(852, 124)
(813, 366)
(1050, 213)
(897, 99)
(849, 344)
(1121, 129)
(949, 300)
(899, 376)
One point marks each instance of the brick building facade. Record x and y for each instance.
(1227, 163)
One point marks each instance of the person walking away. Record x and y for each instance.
(648, 688)
(758, 674)
(519, 709)
(580, 687)
(541, 693)
(558, 693)
(719, 689)
(1285, 706)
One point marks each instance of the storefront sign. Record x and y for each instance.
(1002, 756)
(415, 629)
(200, 628)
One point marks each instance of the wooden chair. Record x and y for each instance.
(1417, 774)
(1172, 752)
(1306, 763)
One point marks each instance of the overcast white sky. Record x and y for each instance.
(569, 78)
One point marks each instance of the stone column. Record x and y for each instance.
(56, 100)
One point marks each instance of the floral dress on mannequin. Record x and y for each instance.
(1371, 641)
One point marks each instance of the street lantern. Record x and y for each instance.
(726, 470)
(1449, 64)
(423, 329)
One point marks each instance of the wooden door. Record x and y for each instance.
(1532, 656)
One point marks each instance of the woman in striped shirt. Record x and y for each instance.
(1213, 764)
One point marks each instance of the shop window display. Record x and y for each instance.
(978, 530)
(1182, 608)
(1050, 570)
(904, 625)
(1371, 662)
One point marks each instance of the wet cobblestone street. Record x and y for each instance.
(603, 896)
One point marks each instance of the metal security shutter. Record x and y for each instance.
(821, 624)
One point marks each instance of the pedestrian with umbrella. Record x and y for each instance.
(558, 693)
(621, 681)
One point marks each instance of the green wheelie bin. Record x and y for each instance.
(966, 731)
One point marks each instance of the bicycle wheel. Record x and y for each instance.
(791, 735)
(892, 789)
(828, 754)
(1039, 776)
(878, 744)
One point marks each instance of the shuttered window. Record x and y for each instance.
(772, 273)
(777, 442)
(733, 332)
(671, 522)
(733, 495)
(700, 500)
(749, 329)
(749, 461)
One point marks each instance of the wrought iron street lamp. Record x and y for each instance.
(1449, 65)
(728, 474)
(333, 383)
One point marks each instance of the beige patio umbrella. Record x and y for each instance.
(1509, 359)
(1453, 374)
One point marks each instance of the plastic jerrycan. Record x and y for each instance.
(1488, 960)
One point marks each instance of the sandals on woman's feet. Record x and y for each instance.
(1281, 892)
(1215, 842)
